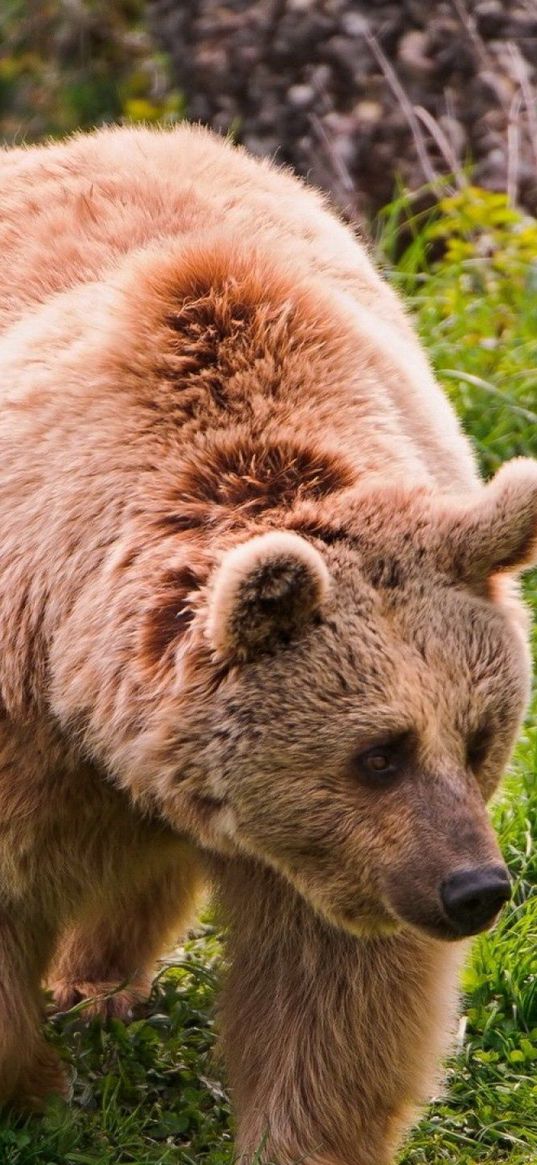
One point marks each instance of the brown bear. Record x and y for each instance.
(258, 630)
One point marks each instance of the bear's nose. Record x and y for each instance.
(472, 898)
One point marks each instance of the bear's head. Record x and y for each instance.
(353, 698)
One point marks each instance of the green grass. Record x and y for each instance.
(489, 1112)
(476, 311)
(148, 1092)
(152, 1093)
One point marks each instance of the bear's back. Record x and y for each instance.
(70, 211)
(75, 216)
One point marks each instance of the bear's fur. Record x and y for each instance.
(257, 629)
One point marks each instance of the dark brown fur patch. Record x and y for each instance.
(386, 573)
(211, 331)
(170, 615)
(241, 480)
(321, 529)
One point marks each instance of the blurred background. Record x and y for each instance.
(357, 95)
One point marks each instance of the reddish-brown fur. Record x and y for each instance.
(243, 543)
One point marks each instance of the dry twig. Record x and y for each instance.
(408, 109)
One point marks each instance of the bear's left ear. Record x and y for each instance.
(265, 590)
(498, 531)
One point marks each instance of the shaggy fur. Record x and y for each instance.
(256, 628)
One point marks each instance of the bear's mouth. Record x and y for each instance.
(368, 926)
(436, 926)
(466, 903)
(383, 926)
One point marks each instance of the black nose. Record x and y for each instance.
(472, 898)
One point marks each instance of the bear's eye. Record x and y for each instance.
(377, 762)
(383, 761)
(478, 747)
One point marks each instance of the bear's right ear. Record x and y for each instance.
(265, 590)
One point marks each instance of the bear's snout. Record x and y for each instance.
(471, 898)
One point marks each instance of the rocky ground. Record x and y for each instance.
(355, 93)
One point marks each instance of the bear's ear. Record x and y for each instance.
(498, 531)
(265, 590)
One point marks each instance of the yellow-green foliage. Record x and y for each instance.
(69, 66)
(477, 223)
(469, 268)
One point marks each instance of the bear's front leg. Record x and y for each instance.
(332, 1041)
(107, 958)
(30, 1070)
